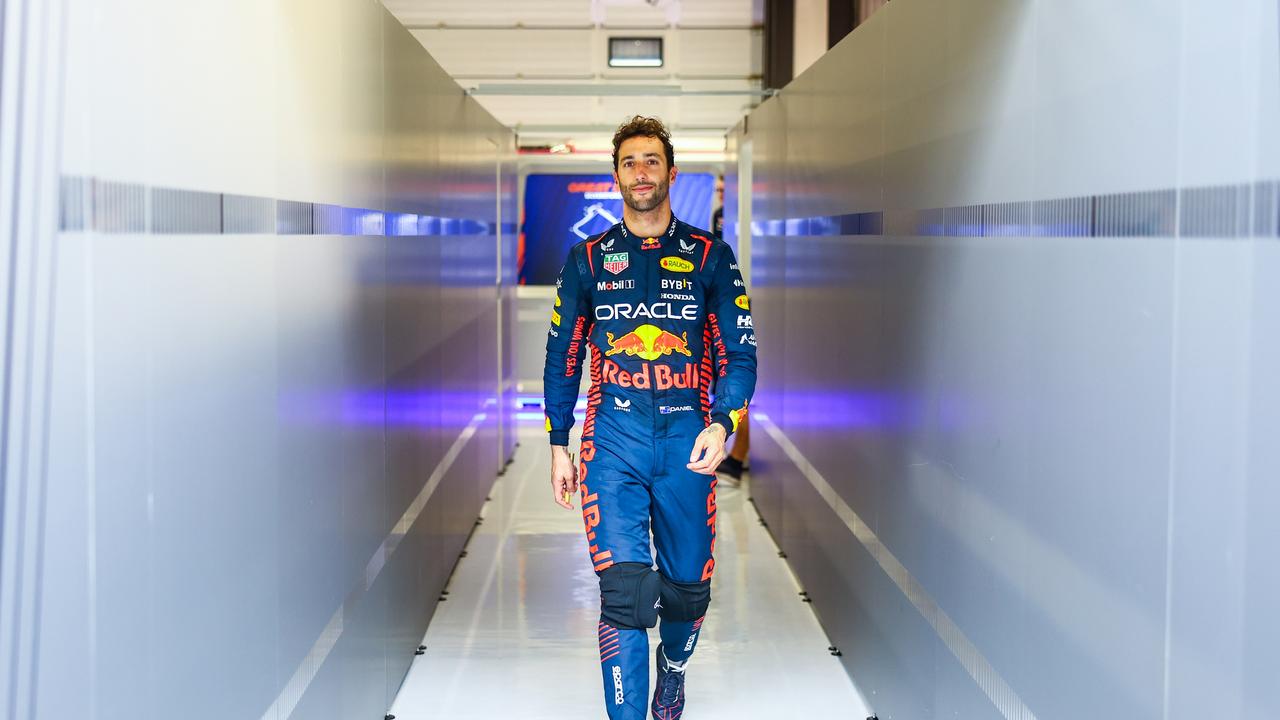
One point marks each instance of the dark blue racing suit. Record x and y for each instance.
(672, 345)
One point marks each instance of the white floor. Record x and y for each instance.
(516, 637)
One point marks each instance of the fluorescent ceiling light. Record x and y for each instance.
(635, 52)
(637, 62)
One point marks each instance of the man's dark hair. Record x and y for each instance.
(640, 126)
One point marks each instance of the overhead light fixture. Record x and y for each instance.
(635, 52)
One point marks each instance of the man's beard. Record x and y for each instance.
(655, 199)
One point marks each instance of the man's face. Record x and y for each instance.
(642, 174)
(720, 190)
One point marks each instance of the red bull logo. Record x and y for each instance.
(650, 244)
(650, 343)
(655, 376)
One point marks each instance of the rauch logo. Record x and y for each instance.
(675, 264)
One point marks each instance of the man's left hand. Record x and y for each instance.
(708, 450)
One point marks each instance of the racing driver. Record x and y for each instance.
(661, 306)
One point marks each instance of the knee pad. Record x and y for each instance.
(629, 594)
(685, 601)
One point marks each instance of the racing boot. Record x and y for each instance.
(668, 695)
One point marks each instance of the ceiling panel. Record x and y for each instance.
(488, 12)
(731, 53)
(504, 47)
(577, 13)
(722, 13)
(574, 112)
(583, 54)
(511, 53)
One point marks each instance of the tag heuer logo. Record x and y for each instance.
(616, 262)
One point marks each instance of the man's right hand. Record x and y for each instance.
(564, 476)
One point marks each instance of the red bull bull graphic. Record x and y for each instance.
(667, 343)
(649, 342)
(650, 244)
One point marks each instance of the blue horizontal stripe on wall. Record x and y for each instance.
(866, 223)
(115, 207)
(1225, 211)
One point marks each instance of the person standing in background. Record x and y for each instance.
(717, 215)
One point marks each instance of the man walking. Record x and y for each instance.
(661, 306)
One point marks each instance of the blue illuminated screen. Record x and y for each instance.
(561, 210)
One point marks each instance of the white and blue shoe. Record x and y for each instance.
(668, 694)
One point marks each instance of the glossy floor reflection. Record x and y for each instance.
(516, 637)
